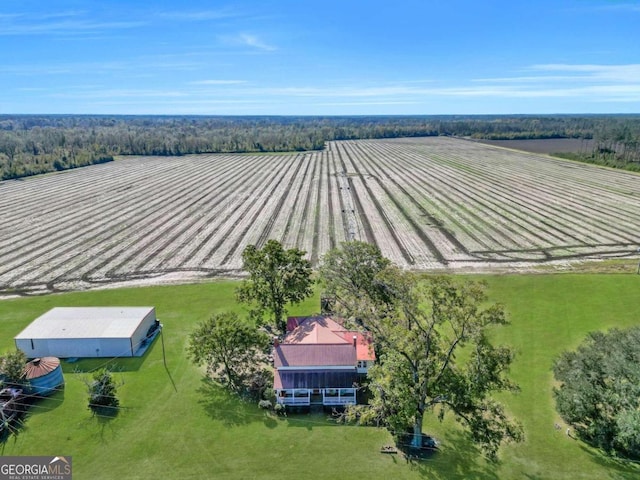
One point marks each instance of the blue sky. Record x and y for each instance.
(305, 57)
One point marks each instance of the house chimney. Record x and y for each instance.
(355, 338)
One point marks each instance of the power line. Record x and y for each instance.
(26, 386)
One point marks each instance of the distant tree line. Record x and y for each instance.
(32, 144)
(616, 143)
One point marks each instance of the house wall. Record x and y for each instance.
(88, 347)
(75, 347)
(33, 348)
(141, 332)
(318, 378)
(363, 366)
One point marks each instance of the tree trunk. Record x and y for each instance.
(416, 441)
(280, 324)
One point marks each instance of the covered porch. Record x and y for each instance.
(339, 396)
(318, 396)
(334, 387)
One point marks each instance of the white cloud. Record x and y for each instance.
(344, 91)
(132, 66)
(590, 82)
(47, 16)
(198, 16)
(67, 27)
(254, 41)
(120, 93)
(556, 72)
(248, 40)
(618, 7)
(621, 73)
(363, 104)
(240, 91)
(409, 92)
(217, 82)
(532, 79)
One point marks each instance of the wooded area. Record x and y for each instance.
(32, 144)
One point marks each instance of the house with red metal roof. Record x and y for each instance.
(320, 362)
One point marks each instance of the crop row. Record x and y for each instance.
(428, 203)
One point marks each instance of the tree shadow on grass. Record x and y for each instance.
(39, 404)
(30, 405)
(85, 365)
(224, 406)
(270, 420)
(101, 421)
(310, 419)
(457, 458)
(619, 468)
(115, 364)
(105, 419)
(12, 431)
(532, 476)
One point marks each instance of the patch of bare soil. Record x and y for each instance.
(545, 145)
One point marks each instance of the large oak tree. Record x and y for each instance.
(421, 326)
(277, 277)
(233, 351)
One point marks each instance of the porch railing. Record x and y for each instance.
(295, 397)
(330, 396)
(339, 396)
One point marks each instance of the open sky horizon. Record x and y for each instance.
(289, 57)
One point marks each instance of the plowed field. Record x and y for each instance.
(429, 203)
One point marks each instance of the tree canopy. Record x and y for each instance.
(12, 367)
(102, 392)
(421, 326)
(32, 144)
(599, 392)
(277, 277)
(232, 349)
(350, 271)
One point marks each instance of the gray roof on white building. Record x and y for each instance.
(86, 322)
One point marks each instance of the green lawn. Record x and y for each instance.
(175, 425)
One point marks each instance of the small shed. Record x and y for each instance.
(67, 332)
(44, 375)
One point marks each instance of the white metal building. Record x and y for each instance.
(67, 332)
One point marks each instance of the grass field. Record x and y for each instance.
(175, 425)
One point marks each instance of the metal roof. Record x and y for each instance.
(324, 330)
(39, 367)
(316, 330)
(364, 344)
(309, 355)
(86, 322)
(314, 379)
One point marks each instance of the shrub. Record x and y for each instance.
(265, 404)
(280, 409)
(102, 390)
(11, 367)
(599, 390)
(260, 384)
